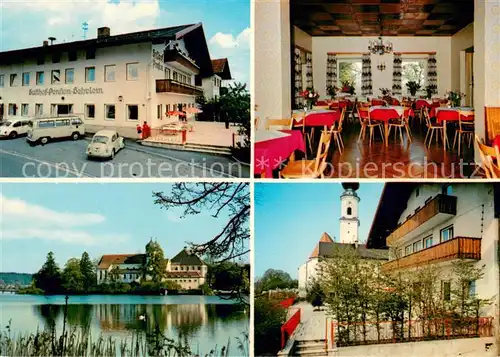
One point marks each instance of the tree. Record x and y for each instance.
(275, 279)
(88, 271)
(217, 198)
(114, 274)
(72, 277)
(156, 266)
(268, 319)
(315, 295)
(48, 278)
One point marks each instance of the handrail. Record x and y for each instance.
(289, 327)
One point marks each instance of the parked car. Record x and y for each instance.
(105, 144)
(12, 128)
(46, 129)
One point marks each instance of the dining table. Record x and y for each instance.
(272, 147)
(314, 118)
(444, 115)
(385, 114)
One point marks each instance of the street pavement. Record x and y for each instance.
(68, 159)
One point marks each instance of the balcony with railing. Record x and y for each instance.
(456, 248)
(436, 211)
(171, 86)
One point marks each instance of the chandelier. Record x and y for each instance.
(378, 47)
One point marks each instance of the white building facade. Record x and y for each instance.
(114, 82)
(442, 223)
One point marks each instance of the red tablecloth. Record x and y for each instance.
(448, 115)
(270, 154)
(496, 141)
(387, 114)
(322, 119)
(423, 103)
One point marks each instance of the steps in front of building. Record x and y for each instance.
(310, 348)
(209, 149)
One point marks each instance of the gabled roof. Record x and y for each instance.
(325, 238)
(221, 68)
(391, 205)
(185, 257)
(115, 259)
(193, 35)
(328, 250)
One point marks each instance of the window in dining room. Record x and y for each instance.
(349, 70)
(413, 70)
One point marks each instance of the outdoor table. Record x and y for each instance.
(385, 114)
(270, 153)
(443, 115)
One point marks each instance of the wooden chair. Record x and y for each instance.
(310, 168)
(336, 131)
(431, 128)
(465, 128)
(364, 119)
(399, 124)
(488, 154)
(492, 122)
(282, 123)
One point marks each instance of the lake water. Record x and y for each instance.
(207, 321)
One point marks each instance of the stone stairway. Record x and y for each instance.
(310, 348)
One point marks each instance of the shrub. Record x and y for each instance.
(268, 319)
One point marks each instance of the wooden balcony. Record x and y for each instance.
(436, 211)
(171, 86)
(456, 248)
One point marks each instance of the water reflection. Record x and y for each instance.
(186, 319)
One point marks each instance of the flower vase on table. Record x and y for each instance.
(310, 96)
(455, 98)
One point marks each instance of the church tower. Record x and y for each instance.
(349, 218)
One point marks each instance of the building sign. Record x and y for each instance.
(66, 91)
(158, 61)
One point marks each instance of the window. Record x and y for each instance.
(109, 73)
(56, 76)
(175, 76)
(417, 246)
(26, 78)
(447, 190)
(132, 71)
(56, 58)
(90, 54)
(89, 111)
(70, 75)
(158, 111)
(446, 234)
(46, 124)
(408, 250)
(167, 73)
(13, 80)
(72, 56)
(446, 289)
(428, 242)
(62, 122)
(76, 121)
(40, 78)
(12, 109)
(349, 70)
(413, 70)
(109, 109)
(38, 109)
(24, 110)
(89, 74)
(133, 112)
(2, 80)
(471, 288)
(349, 211)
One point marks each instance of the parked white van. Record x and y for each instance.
(45, 129)
(14, 127)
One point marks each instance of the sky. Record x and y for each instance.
(71, 218)
(291, 217)
(226, 23)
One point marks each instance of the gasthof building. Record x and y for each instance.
(111, 81)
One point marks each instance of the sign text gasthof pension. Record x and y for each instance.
(67, 91)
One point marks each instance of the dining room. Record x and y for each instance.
(375, 89)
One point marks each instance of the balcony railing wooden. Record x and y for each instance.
(439, 204)
(171, 86)
(456, 248)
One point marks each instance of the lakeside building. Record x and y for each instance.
(186, 269)
(349, 238)
(424, 224)
(113, 82)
